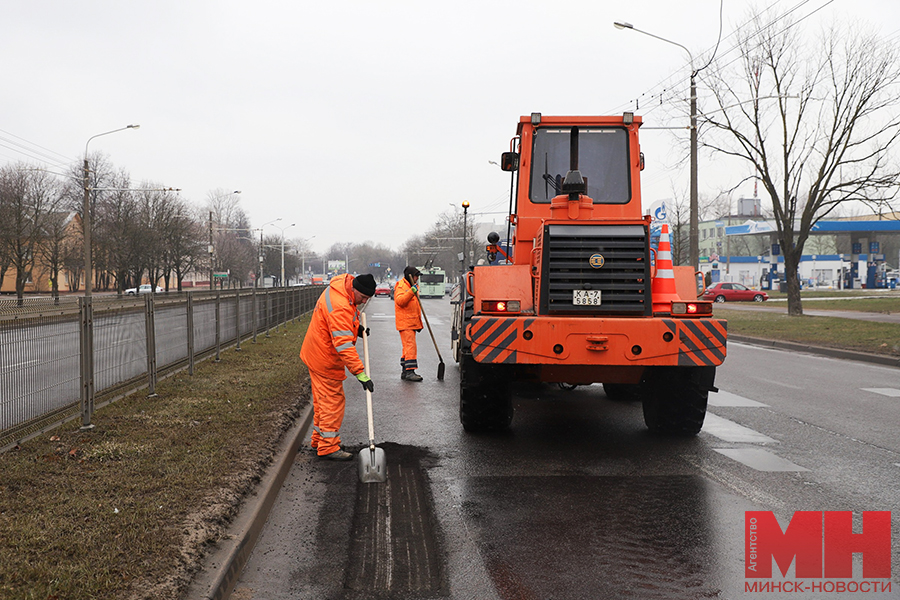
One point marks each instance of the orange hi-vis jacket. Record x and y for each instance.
(407, 311)
(330, 342)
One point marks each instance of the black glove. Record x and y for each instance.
(366, 382)
(360, 331)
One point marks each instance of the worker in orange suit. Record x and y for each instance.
(330, 347)
(408, 318)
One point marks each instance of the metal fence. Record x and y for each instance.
(61, 358)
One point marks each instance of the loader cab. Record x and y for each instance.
(609, 161)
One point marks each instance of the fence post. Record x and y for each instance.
(190, 332)
(86, 312)
(255, 318)
(279, 303)
(268, 312)
(218, 327)
(150, 324)
(237, 317)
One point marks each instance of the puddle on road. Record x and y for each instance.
(593, 537)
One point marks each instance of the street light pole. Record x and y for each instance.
(694, 217)
(261, 249)
(86, 216)
(303, 258)
(282, 250)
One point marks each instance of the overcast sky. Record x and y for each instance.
(356, 120)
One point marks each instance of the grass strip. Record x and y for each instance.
(830, 332)
(126, 509)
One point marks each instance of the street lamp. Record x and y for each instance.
(86, 217)
(303, 258)
(282, 249)
(211, 236)
(694, 222)
(261, 227)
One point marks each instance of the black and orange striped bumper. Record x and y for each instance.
(594, 341)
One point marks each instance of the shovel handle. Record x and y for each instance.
(422, 308)
(368, 393)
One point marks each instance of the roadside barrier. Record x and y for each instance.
(60, 359)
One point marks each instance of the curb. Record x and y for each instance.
(223, 566)
(877, 359)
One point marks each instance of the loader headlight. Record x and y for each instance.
(501, 306)
(691, 309)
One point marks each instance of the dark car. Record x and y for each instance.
(733, 292)
(384, 289)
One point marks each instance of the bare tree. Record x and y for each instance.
(234, 248)
(55, 246)
(28, 196)
(183, 243)
(816, 123)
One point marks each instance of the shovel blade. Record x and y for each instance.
(441, 371)
(372, 465)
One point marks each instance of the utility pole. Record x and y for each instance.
(210, 251)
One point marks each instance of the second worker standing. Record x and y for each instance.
(408, 317)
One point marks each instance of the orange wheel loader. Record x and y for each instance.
(578, 294)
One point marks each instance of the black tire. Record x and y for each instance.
(720, 298)
(758, 298)
(485, 403)
(623, 392)
(675, 399)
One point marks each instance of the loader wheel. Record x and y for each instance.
(675, 399)
(623, 392)
(485, 403)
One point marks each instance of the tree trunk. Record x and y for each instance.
(791, 264)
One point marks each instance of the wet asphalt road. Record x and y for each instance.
(578, 500)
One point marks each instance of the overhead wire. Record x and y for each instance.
(32, 150)
(670, 81)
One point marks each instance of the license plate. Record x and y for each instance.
(586, 297)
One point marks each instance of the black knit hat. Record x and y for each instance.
(364, 284)
(410, 272)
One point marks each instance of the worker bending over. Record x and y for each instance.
(328, 348)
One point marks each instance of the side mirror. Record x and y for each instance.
(509, 161)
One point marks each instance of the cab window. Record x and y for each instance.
(602, 159)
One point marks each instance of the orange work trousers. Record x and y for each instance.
(328, 413)
(408, 360)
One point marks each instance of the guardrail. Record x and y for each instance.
(63, 358)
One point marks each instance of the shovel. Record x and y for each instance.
(372, 463)
(441, 364)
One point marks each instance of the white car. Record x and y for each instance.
(144, 289)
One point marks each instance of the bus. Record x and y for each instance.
(431, 282)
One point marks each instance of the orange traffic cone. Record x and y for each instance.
(663, 286)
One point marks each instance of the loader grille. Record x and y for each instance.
(623, 280)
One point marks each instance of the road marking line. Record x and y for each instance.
(721, 398)
(759, 459)
(890, 392)
(729, 431)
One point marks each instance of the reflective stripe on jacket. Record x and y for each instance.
(407, 312)
(330, 342)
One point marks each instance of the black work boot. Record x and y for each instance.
(411, 376)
